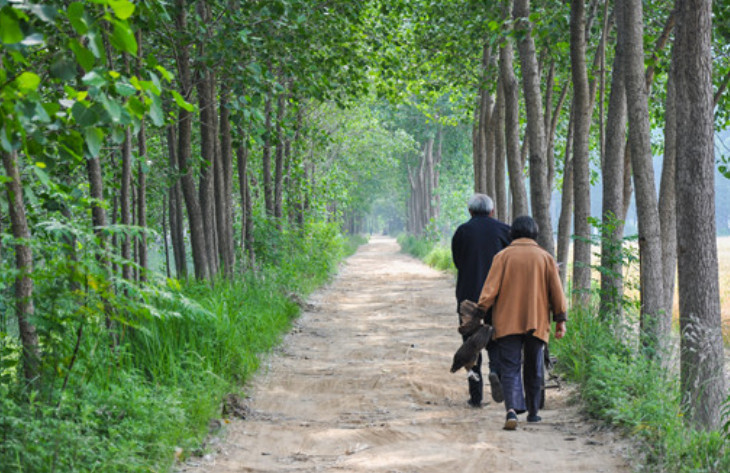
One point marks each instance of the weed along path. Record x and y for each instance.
(362, 384)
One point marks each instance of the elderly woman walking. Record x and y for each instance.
(523, 287)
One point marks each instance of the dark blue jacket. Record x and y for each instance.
(472, 247)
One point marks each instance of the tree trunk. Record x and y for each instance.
(125, 203)
(630, 25)
(175, 209)
(224, 192)
(702, 357)
(540, 193)
(612, 169)
(512, 128)
(165, 204)
(184, 150)
(281, 103)
(565, 221)
(242, 165)
(668, 207)
(268, 186)
(436, 210)
(24, 308)
(142, 203)
(581, 163)
(141, 179)
(500, 187)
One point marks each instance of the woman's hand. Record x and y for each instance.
(560, 330)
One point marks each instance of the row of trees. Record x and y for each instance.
(592, 83)
(188, 132)
(213, 126)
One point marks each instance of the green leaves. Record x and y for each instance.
(10, 32)
(27, 82)
(94, 139)
(123, 9)
(180, 101)
(123, 38)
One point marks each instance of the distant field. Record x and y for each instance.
(723, 256)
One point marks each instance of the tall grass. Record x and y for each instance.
(128, 407)
(626, 389)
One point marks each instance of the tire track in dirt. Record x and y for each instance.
(361, 384)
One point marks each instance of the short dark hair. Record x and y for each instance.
(524, 227)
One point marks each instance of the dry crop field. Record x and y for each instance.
(723, 256)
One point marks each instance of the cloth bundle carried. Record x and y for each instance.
(477, 336)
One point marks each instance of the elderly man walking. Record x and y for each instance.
(473, 246)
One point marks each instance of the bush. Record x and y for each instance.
(440, 258)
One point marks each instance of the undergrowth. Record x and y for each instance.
(129, 405)
(622, 387)
(436, 255)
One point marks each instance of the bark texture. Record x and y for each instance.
(702, 367)
(24, 307)
(581, 164)
(184, 150)
(512, 130)
(630, 26)
(612, 170)
(540, 193)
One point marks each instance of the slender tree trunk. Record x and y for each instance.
(281, 103)
(436, 166)
(667, 205)
(249, 224)
(500, 173)
(581, 163)
(631, 30)
(142, 202)
(565, 221)
(208, 133)
(268, 185)
(141, 179)
(24, 308)
(242, 165)
(702, 356)
(184, 150)
(512, 128)
(164, 236)
(540, 193)
(224, 193)
(125, 202)
(612, 169)
(175, 209)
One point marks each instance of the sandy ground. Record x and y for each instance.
(362, 384)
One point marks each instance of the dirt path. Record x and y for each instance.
(362, 385)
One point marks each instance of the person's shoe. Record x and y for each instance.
(534, 419)
(511, 422)
(496, 387)
(475, 405)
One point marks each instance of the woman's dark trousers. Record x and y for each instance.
(511, 351)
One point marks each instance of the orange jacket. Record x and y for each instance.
(523, 285)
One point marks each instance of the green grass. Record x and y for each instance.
(436, 255)
(128, 408)
(625, 389)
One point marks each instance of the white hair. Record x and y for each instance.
(481, 204)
